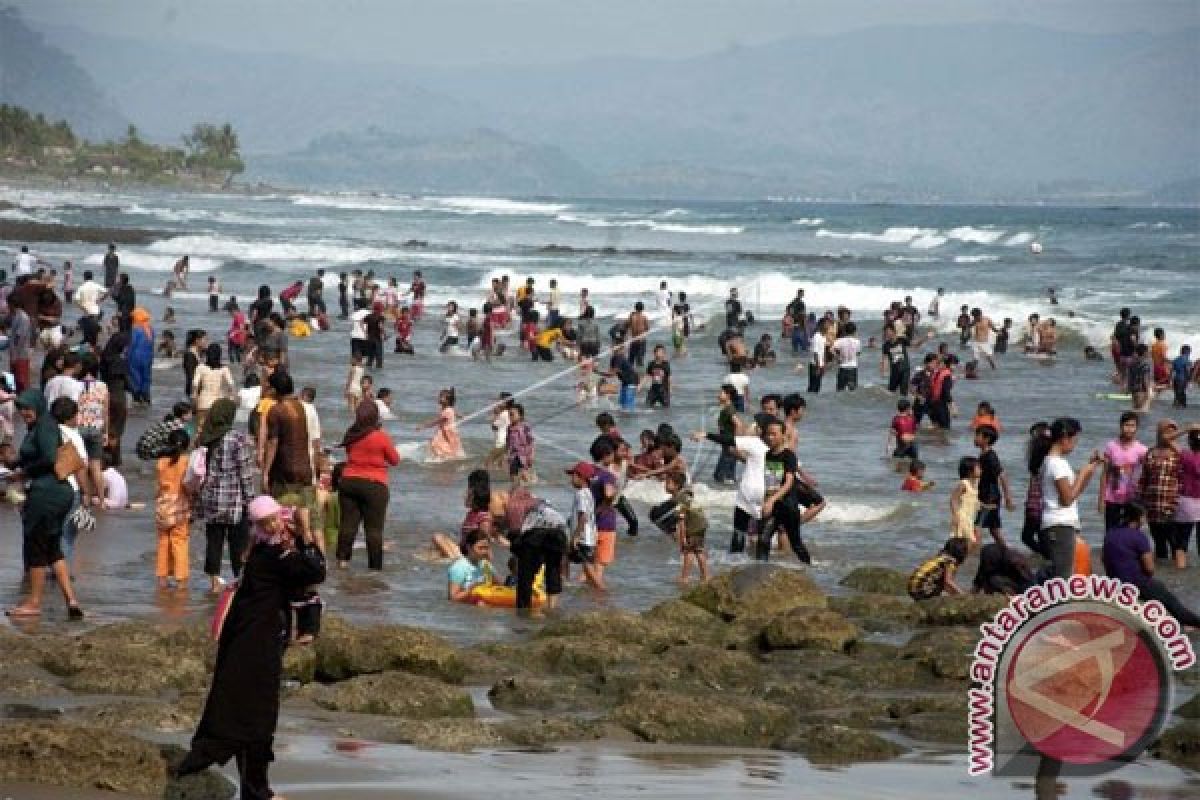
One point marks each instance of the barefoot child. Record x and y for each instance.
(936, 575)
(964, 501)
(902, 435)
(172, 509)
(583, 524)
(692, 526)
(445, 443)
(353, 390)
(520, 447)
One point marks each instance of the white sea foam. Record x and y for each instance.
(894, 235)
(203, 215)
(911, 259)
(51, 198)
(839, 512)
(450, 205)
(809, 222)
(927, 241)
(25, 216)
(976, 259)
(154, 262)
(320, 250)
(1020, 239)
(975, 235)
(650, 224)
(676, 212)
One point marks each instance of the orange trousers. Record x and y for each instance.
(172, 558)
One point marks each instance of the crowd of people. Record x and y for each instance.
(244, 454)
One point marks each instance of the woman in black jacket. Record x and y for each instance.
(243, 704)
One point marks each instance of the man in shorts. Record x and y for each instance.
(981, 332)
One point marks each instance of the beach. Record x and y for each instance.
(863, 257)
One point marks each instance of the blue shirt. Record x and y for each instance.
(467, 575)
(1181, 367)
(1123, 549)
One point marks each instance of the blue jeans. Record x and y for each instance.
(628, 396)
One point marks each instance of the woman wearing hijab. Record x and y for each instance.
(226, 490)
(114, 370)
(363, 490)
(141, 355)
(242, 708)
(212, 380)
(47, 504)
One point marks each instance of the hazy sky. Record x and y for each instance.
(540, 31)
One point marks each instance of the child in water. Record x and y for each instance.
(172, 511)
(445, 444)
(353, 390)
(915, 482)
(692, 525)
(964, 501)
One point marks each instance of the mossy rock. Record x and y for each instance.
(880, 676)
(680, 622)
(943, 727)
(531, 692)
(393, 694)
(756, 592)
(877, 612)
(579, 655)
(948, 702)
(961, 609)
(876, 580)
(1190, 709)
(448, 734)
(810, 628)
(675, 718)
(829, 744)
(613, 625)
(693, 669)
(132, 658)
(545, 732)
(947, 653)
(344, 650)
(1180, 745)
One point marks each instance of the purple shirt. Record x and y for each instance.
(1189, 473)
(1123, 549)
(606, 514)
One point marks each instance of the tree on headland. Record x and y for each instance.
(214, 149)
(22, 133)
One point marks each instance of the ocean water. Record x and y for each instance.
(859, 256)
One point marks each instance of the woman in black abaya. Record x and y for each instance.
(243, 704)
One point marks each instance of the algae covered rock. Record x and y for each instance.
(613, 625)
(831, 744)
(395, 694)
(135, 658)
(689, 669)
(878, 612)
(522, 692)
(680, 622)
(943, 727)
(962, 609)
(84, 757)
(1180, 745)
(756, 591)
(947, 653)
(672, 717)
(344, 650)
(814, 628)
(876, 580)
(579, 655)
(454, 735)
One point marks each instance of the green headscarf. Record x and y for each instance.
(218, 423)
(32, 400)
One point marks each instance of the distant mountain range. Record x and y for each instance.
(36, 75)
(978, 112)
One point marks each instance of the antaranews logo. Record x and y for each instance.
(1076, 671)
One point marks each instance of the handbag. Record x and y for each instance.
(83, 520)
(67, 461)
(224, 603)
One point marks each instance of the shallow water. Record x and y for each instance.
(860, 256)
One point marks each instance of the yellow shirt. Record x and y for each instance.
(548, 337)
(299, 328)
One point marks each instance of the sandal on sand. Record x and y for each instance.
(23, 611)
(75, 613)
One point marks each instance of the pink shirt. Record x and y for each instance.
(1124, 467)
(1189, 473)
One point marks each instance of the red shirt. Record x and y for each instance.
(403, 328)
(912, 484)
(370, 457)
(904, 424)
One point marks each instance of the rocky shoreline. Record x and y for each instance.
(23, 231)
(758, 657)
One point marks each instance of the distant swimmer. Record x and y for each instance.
(1035, 248)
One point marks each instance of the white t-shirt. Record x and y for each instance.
(314, 421)
(500, 426)
(1054, 468)
(584, 503)
(818, 349)
(87, 297)
(384, 411)
(847, 349)
(664, 301)
(451, 327)
(62, 386)
(739, 381)
(71, 435)
(116, 491)
(752, 487)
(26, 264)
(358, 328)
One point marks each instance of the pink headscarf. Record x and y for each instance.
(265, 506)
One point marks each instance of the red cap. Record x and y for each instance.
(583, 470)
